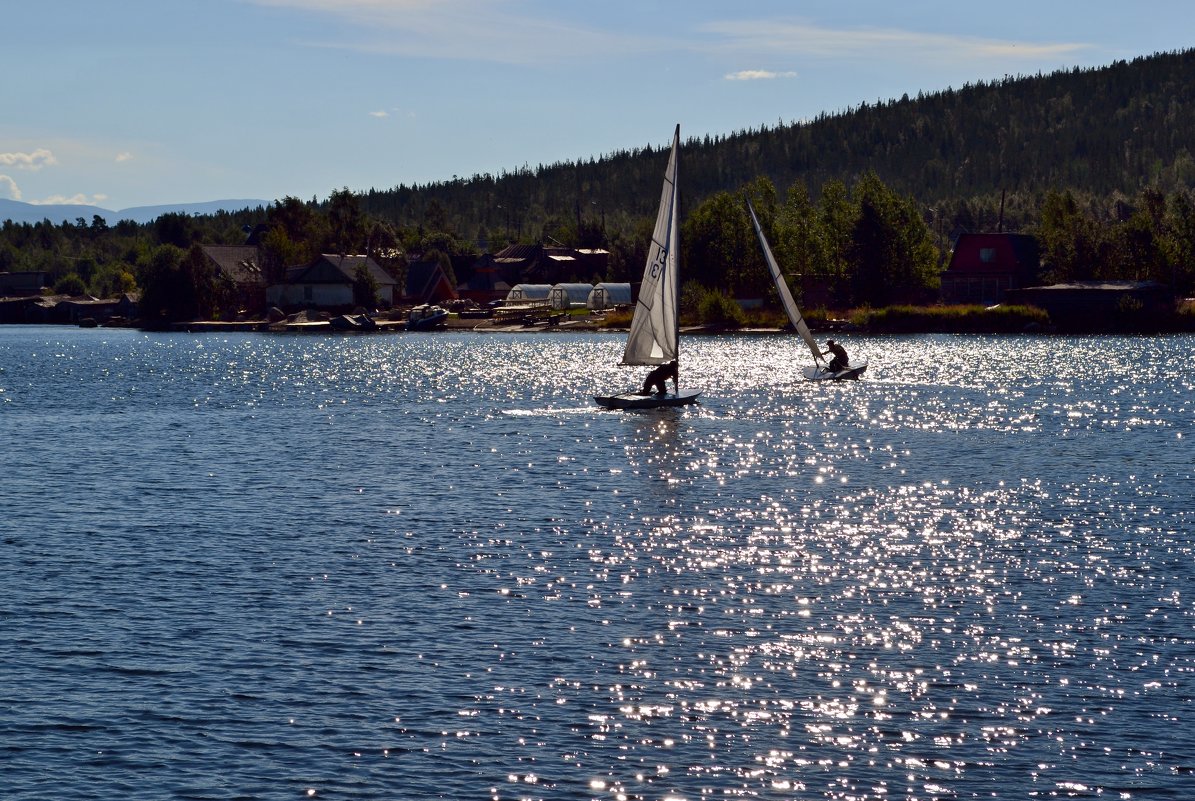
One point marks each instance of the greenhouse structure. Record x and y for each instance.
(528, 293)
(569, 296)
(607, 296)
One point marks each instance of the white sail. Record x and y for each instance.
(655, 327)
(790, 305)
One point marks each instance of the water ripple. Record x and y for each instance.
(425, 566)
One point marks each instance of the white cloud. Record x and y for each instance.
(79, 199)
(484, 30)
(14, 191)
(798, 38)
(28, 161)
(379, 114)
(758, 75)
(508, 32)
(121, 158)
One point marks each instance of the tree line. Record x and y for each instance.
(1094, 163)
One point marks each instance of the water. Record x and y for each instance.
(427, 566)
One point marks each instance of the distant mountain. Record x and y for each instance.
(20, 212)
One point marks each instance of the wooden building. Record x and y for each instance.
(428, 283)
(1101, 305)
(983, 267)
(241, 264)
(328, 283)
(485, 283)
(537, 264)
(23, 284)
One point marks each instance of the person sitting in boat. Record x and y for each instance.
(658, 378)
(840, 360)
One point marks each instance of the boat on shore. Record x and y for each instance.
(426, 317)
(352, 322)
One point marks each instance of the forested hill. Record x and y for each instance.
(1098, 132)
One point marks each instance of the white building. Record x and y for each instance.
(327, 283)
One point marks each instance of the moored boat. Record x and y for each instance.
(426, 316)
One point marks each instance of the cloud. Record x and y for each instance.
(508, 32)
(14, 191)
(121, 158)
(79, 199)
(798, 38)
(28, 161)
(379, 114)
(483, 30)
(758, 75)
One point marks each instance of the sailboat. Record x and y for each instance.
(655, 327)
(819, 370)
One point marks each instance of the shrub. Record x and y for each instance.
(618, 318)
(1184, 315)
(719, 311)
(70, 284)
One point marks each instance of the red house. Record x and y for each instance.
(984, 267)
(427, 283)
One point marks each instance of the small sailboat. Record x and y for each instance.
(819, 371)
(655, 327)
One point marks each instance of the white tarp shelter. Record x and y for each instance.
(569, 296)
(523, 293)
(606, 296)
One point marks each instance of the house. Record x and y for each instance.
(591, 262)
(427, 283)
(241, 264)
(536, 264)
(74, 310)
(328, 283)
(29, 309)
(63, 310)
(23, 284)
(1100, 305)
(516, 262)
(485, 283)
(983, 267)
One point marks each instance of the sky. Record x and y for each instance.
(150, 102)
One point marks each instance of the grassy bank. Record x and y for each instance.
(891, 319)
(963, 319)
(951, 319)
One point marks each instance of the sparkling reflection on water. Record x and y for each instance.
(420, 566)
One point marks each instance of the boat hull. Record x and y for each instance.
(851, 373)
(353, 322)
(636, 400)
(430, 323)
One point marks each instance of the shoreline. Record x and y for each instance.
(588, 327)
(591, 324)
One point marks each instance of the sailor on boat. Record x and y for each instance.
(840, 360)
(658, 378)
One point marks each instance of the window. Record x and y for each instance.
(987, 255)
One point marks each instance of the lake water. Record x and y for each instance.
(256, 566)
